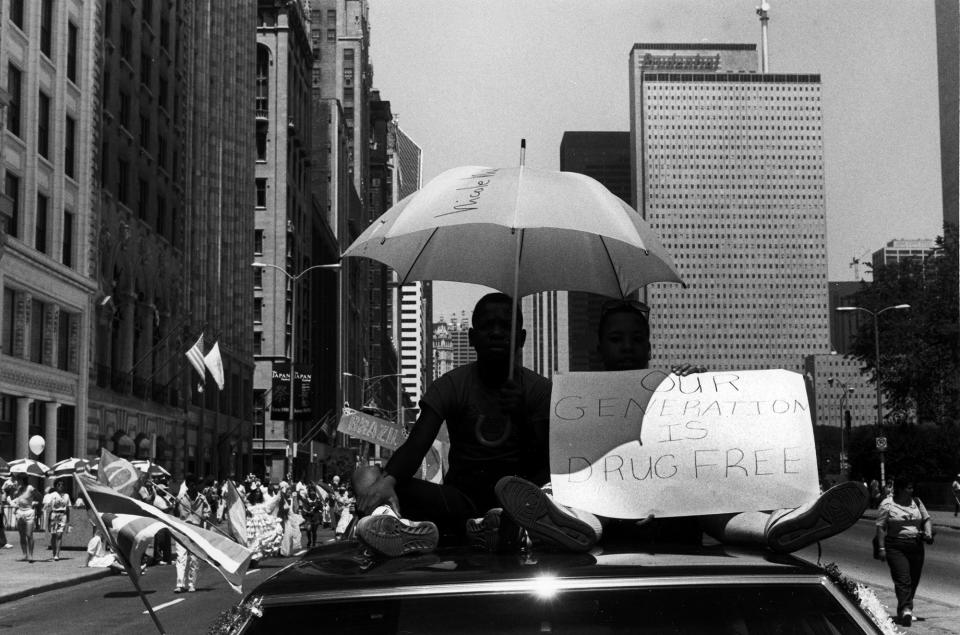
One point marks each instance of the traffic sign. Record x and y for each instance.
(881, 443)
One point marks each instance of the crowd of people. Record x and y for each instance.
(280, 518)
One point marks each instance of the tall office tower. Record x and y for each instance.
(342, 76)
(219, 191)
(902, 250)
(844, 324)
(442, 360)
(461, 351)
(283, 233)
(48, 53)
(728, 170)
(604, 156)
(947, 17)
(416, 341)
(143, 319)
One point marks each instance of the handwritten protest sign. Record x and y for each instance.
(629, 444)
(373, 429)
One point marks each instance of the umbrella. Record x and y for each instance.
(518, 230)
(149, 467)
(68, 467)
(28, 467)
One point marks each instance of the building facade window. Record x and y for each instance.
(63, 341)
(12, 189)
(69, 147)
(68, 231)
(261, 193)
(143, 198)
(258, 241)
(46, 27)
(43, 125)
(15, 94)
(72, 44)
(40, 228)
(7, 321)
(16, 12)
(123, 175)
(38, 317)
(262, 129)
(263, 81)
(162, 216)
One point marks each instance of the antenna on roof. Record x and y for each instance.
(763, 12)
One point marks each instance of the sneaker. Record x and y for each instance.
(179, 589)
(191, 589)
(8, 546)
(494, 532)
(907, 618)
(837, 509)
(534, 510)
(389, 535)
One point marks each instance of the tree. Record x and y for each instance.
(918, 347)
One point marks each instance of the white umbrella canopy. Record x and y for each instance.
(68, 467)
(149, 467)
(519, 230)
(28, 467)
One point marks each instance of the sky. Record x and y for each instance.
(469, 80)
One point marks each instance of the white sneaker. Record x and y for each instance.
(388, 534)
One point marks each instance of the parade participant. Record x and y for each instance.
(903, 525)
(264, 528)
(25, 514)
(99, 555)
(348, 506)
(310, 509)
(497, 426)
(955, 488)
(624, 344)
(193, 508)
(56, 506)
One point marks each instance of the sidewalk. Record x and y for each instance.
(21, 579)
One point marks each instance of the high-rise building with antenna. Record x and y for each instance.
(728, 170)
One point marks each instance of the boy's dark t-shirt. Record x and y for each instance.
(486, 444)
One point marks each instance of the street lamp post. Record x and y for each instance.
(293, 343)
(876, 352)
(844, 389)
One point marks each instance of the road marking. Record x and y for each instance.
(163, 606)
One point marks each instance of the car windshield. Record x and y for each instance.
(733, 610)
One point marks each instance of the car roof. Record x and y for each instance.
(342, 570)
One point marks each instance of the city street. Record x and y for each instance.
(939, 584)
(111, 605)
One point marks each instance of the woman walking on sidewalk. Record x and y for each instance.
(902, 527)
(56, 505)
(26, 516)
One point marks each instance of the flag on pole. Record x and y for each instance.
(124, 555)
(214, 364)
(227, 557)
(236, 514)
(118, 473)
(195, 357)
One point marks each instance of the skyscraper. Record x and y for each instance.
(561, 325)
(728, 169)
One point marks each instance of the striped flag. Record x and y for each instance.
(131, 535)
(214, 364)
(195, 357)
(227, 557)
(118, 473)
(236, 514)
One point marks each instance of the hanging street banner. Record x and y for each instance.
(633, 443)
(360, 425)
(280, 392)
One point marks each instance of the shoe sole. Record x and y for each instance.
(829, 516)
(533, 510)
(390, 536)
(493, 533)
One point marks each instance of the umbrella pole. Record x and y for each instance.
(516, 273)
